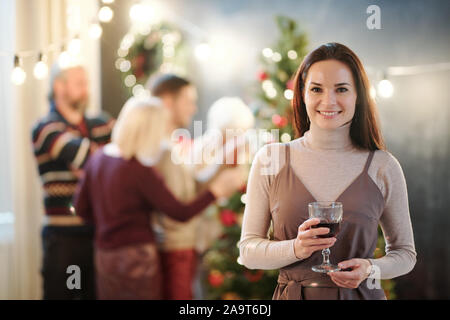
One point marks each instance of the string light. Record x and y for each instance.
(105, 14)
(285, 137)
(64, 58)
(130, 80)
(118, 62)
(95, 31)
(125, 65)
(40, 70)
(136, 12)
(271, 93)
(74, 46)
(143, 14)
(267, 52)
(288, 94)
(18, 75)
(127, 41)
(267, 85)
(276, 57)
(203, 51)
(385, 88)
(292, 54)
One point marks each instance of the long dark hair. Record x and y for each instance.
(364, 130)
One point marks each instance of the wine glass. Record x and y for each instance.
(330, 215)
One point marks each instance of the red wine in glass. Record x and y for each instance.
(334, 227)
(330, 215)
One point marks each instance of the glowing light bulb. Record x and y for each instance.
(285, 137)
(125, 65)
(267, 85)
(385, 88)
(105, 14)
(292, 54)
(74, 46)
(136, 12)
(271, 93)
(203, 51)
(288, 94)
(40, 70)
(267, 52)
(95, 31)
(64, 59)
(18, 75)
(130, 80)
(276, 57)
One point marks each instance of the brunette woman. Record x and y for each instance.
(339, 155)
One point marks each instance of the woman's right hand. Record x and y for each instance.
(228, 181)
(307, 243)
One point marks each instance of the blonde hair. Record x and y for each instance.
(140, 128)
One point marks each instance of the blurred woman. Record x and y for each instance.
(119, 191)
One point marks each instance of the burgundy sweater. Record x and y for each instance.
(117, 196)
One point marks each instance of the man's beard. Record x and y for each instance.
(79, 105)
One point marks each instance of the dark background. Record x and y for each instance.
(415, 120)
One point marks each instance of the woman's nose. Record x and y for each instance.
(329, 98)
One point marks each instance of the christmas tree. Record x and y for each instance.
(227, 279)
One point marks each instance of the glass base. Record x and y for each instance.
(324, 268)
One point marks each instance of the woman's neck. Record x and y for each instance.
(318, 138)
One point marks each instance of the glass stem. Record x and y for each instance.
(326, 256)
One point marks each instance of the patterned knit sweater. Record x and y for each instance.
(61, 149)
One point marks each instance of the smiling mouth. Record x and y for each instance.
(329, 114)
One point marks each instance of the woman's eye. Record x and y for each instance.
(342, 89)
(316, 89)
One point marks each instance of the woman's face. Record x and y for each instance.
(330, 94)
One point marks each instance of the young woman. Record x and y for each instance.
(119, 191)
(339, 156)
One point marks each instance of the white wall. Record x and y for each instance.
(30, 25)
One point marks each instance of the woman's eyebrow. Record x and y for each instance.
(336, 85)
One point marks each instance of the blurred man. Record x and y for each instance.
(62, 141)
(177, 247)
(180, 243)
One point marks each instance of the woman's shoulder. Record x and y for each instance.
(386, 159)
(388, 167)
(270, 158)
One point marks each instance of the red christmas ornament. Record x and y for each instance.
(228, 217)
(262, 76)
(215, 278)
(283, 122)
(279, 121)
(276, 119)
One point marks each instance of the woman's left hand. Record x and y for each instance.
(351, 279)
